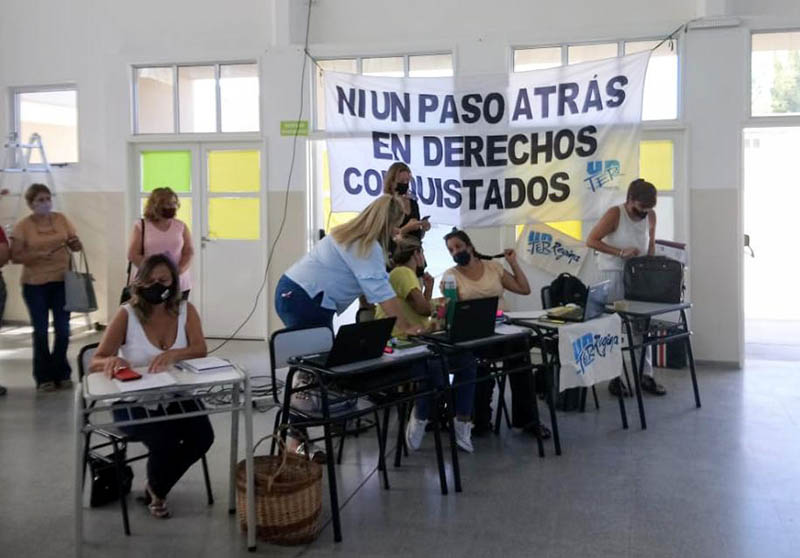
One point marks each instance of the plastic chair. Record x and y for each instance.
(119, 441)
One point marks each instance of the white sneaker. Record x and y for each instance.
(464, 435)
(415, 431)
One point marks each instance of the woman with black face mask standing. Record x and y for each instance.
(397, 184)
(476, 276)
(156, 329)
(626, 231)
(163, 234)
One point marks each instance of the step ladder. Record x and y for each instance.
(18, 172)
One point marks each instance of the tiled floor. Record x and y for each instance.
(722, 481)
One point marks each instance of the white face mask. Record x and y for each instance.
(43, 207)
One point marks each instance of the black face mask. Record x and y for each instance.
(155, 293)
(462, 258)
(401, 188)
(168, 212)
(639, 214)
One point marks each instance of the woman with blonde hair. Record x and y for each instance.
(160, 232)
(396, 183)
(347, 263)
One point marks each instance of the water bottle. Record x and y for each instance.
(451, 294)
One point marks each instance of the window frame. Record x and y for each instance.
(217, 65)
(668, 123)
(15, 121)
(768, 120)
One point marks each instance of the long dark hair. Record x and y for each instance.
(143, 308)
(464, 237)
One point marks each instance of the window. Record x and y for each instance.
(53, 114)
(661, 82)
(775, 74)
(189, 99)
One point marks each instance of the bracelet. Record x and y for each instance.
(621, 252)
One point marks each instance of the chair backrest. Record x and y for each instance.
(546, 301)
(85, 358)
(365, 314)
(291, 342)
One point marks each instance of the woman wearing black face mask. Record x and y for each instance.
(476, 276)
(155, 330)
(397, 183)
(626, 231)
(163, 234)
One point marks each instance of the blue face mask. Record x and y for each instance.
(462, 258)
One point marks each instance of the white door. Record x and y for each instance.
(221, 194)
(233, 241)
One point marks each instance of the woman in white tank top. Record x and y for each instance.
(626, 231)
(154, 331)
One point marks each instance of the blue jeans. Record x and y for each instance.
(41, 300)
(298, 310)
(465, 371)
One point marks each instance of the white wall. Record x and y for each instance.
(93, 42)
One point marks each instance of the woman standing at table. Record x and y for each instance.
(476, 276)
(408, 263)
(42, 242)
(163, 234)
(347, 263)
(156, 329)
(626, 231)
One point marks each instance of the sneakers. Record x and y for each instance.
(616, 386)
(464, 435)
(415, 431)
(46, 387)
(650, 385)
(65, 384)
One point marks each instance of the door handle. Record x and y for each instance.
(205, 240)
(747, 245)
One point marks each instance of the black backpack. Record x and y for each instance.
(566, 289)
(653, 279)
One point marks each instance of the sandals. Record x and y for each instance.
(617, 386)
(539, 430)
(158, 507)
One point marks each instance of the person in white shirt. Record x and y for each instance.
(156, 329)
(626, 231)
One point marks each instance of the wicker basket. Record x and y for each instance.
(288, 498)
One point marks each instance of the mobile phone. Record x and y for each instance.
(426, 217)
(126, 375)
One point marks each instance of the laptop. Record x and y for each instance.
(355, 343)
(472, 319)
(593, 305)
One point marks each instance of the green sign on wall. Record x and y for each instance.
(294, 127)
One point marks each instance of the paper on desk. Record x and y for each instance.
(526, 315)
(508, 329)
(147, 381)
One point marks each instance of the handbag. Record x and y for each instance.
(125, 296)
(80, 295)
(105, 483)
(653, 279)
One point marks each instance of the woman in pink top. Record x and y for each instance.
(163, 234)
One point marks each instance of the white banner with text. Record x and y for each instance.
(487, 150)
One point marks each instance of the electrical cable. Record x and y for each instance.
(306, 56)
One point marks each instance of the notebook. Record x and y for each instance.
(200, 365)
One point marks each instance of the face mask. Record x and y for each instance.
(155, 293)
(168, 212)
(639, 214)
(401, 188)
(462, 258)
(43, 208)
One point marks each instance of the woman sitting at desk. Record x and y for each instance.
(408, 263)
(155, 329)
(476, 276)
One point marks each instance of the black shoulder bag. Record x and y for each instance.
(126, 290)
(653, 279)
